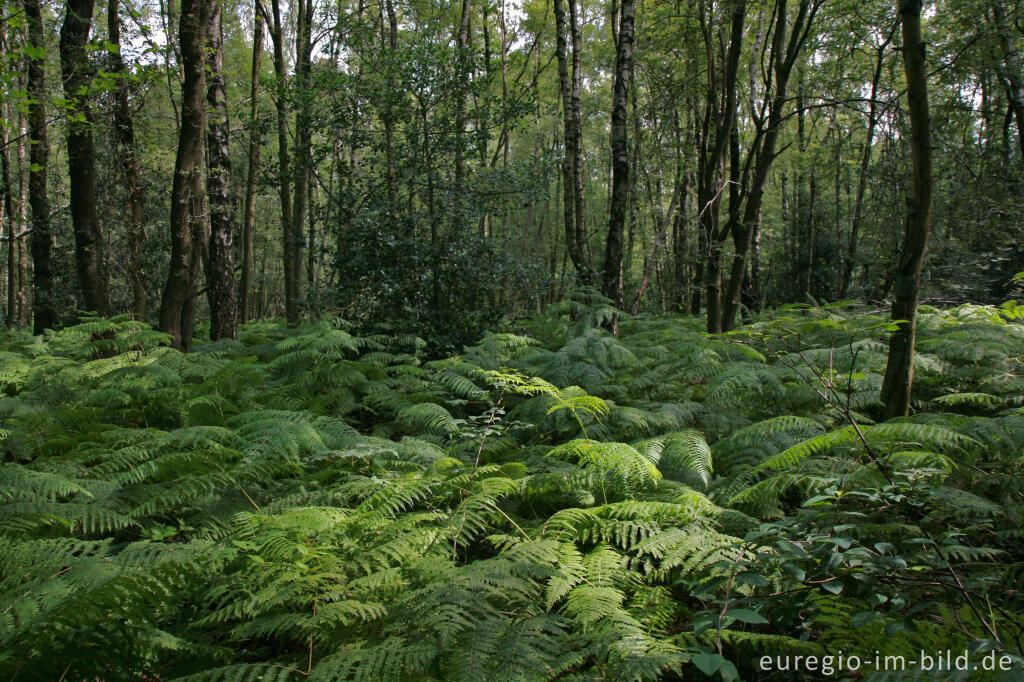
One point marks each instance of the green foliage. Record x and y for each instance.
(554, 503)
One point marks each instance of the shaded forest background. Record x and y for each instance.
(432, 167)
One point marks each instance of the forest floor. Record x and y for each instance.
(553, 503)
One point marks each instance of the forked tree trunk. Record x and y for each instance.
(220, 260)
(77, 74)
(785, 52)
(899, 370)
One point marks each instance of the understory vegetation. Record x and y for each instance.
(553, 503)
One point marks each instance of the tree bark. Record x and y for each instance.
(1011, 69)
(189, 229)
(388, 114)
(850, 262)
(899, 370)
(613, 287)
(220, 260)
(784, 55)
(462, 57)
(290, 254)
(718, 122)
(572, 162)
(22, 220)
(249, 220)
(660, 242)
(77, 74)
(127, 155)
(43, 297)
(8, 201)
(303, 142)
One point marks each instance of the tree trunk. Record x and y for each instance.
(572, 191)
(188, 219)
(388, 114)
(1011, 69)
(812, 229)
(303, 143)
(127, 156)
(580, 215)
(249, 220)
(850, 262)
(899, 370)
(43, 297)
(660, 242)
(77, 74)
(719, 120)
(784, 55)
(290, 255)
(22, 220)
(613, 288)
(8, 200)
(462, 57)
(220, 260)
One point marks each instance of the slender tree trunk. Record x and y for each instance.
(388, 114)
(679, 221)
(578, 168)
(303, 143)
(572, 204)
(660, 242)
(1011, 69)
(188, 226)
(462, 45)
(613, 288)
(77, 73)
(252, 173)
(719, 120)
(311, 250)
(812, 229)
(43, 298)
(753, 288)
(8, 199)
(127, 156)
(899, 370)
(290, 254)
(504, 85)
(22, 220)
(220, 260)
(850, 262)
(679, 246)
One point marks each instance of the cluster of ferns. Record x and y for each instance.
(556, 502)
